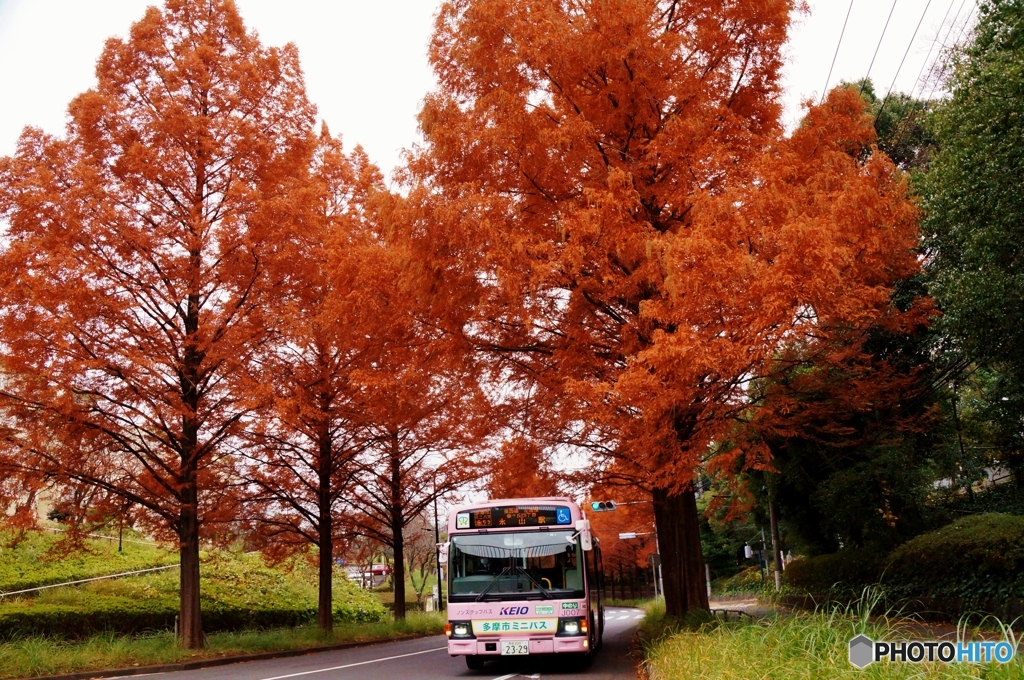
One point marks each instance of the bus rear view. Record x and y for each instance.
(524, 578)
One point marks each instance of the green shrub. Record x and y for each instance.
(1004, 498)
(747, 581)
(25, 656)
(975, 558)
(352, 604)
(92, 614)
(835, 576)
(973, 565)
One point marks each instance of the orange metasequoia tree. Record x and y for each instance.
(134, 284)
(426, 412)
(307, 443)
(642, 235)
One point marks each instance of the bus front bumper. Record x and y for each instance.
(492, 647)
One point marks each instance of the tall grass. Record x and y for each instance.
(33, 656)
(805, 645)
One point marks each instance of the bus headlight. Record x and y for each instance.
(570, 627)
(459, 629)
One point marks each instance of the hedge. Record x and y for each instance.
(975, 564)
(840, 575)
(974, 559)
(122, 615)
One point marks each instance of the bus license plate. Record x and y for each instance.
(514, 647)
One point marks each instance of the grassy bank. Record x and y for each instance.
(239, 592)
(34, 559)
(798, 646)
(36, 656)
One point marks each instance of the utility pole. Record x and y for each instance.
(437, 551)
(776, 542)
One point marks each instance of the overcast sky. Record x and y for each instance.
(365, 62)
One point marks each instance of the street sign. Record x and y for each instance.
(654, 560)
(627, 535)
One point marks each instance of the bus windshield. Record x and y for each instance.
(515, 565)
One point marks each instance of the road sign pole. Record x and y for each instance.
(657, 546)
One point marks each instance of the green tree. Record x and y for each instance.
(973, 206)
(901, 125)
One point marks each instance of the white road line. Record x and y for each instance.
(639, 616)
(508, 677)
(361, 663)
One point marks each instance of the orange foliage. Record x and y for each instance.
(647, 238)
(423, 412)
(306, 443)
(635, 513)
(134, 278)
(521, 471)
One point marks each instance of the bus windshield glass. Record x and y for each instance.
(515, 565)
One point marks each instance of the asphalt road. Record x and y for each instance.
(427, 658)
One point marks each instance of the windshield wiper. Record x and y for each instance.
(490, 585)
(544, 592)
(509, 570)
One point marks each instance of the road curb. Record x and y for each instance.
(223, 661)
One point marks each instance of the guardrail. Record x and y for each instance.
(87, 580)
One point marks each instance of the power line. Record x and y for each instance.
(909, 117)
(943, 54)
(902, 61)
(834, 56)
(942, 70)
(904, 122)
(878, 47)
(935, 40)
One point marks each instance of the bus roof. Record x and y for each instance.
(498, 502)
(515, 514)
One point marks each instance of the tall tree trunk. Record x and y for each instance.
(682, 562)
(325, 605)
(190, 630)
(398, 543)
(960, 440)
(190, 626)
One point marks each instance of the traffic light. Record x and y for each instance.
(602, 506)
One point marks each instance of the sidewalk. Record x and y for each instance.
(744, 603)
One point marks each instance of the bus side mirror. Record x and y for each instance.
(442, 551)
(583, 527)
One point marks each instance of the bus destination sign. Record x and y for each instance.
(515, 516)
